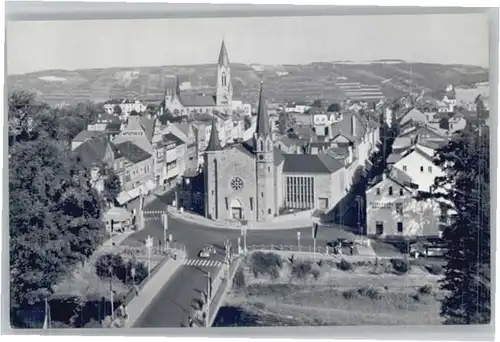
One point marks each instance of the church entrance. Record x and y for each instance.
(236, 209)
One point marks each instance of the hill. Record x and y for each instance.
(331, 81)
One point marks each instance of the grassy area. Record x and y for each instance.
(291, 292)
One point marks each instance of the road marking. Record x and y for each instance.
(202, 263)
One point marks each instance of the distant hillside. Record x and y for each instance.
(282, 82)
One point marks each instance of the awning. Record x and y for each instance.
(117, 214)
(123, 197)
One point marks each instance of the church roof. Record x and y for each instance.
(223, 57)
(197, 100)
(263, 128)
(213, 142)
(311, 163)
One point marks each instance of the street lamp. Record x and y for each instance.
(149, 246)
(298, 241)
(209, 297)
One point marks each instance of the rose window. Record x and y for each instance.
(236, 184)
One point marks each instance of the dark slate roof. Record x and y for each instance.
(288, 142)
(148, 124)
(86, 135)
(169, 138)
(196, 100)
(262, 128)
(131, 152)
(311, 163)
(394, 158)
(433, 144)
(92, 151)
(223, 57)
(114, 127)
(214, 141)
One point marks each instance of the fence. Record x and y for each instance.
(291, 248)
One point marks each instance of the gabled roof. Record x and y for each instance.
(93, 151)
(414, 115)
(196, 100)
(131, 152)
(148, 124)
(170, 137)
(311, 163)
(86, 135)
(393, 158)
(434, 145)
(340, 153)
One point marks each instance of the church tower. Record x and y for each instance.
(264, 153)
(224, 93)
(211, 174)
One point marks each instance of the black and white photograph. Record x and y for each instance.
(249, 171)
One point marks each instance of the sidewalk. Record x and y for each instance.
(146, 295)
(291, 221)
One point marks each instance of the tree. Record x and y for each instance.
(117, 110)
(112, 185)
(54, 214)
(465, 189)
(247, 121)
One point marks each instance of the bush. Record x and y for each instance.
(141, 272)
(300, 270)
(400, 265)
(350, 294)
(370, 292)
(425, 290)
(239, 279)
(315, 273)
(266, 263)
(434, 269)
(344, 265)
(106, 263)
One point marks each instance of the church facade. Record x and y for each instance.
(253, 180)
(182, 103)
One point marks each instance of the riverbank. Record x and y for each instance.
(330, 294)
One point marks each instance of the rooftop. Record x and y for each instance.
(311, 163)
(131, 152)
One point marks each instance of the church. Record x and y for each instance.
(183, 103)
(253, 180)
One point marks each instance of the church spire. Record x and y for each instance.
(214, 142)
(262, 128)
(223, 57)
(177, 85)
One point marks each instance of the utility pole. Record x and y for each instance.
(165, 228)
(209, 297)
(298, 241)
(149, 246)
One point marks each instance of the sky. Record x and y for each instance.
(83, 44)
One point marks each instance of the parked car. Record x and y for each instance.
(211, 249)
(204, 253)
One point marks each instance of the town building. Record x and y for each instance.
(182, 103)
(254, 181)
(125, 106)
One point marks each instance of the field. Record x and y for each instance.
(331, 293)
(301, 83)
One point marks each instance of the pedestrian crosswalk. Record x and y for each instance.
(201, 263)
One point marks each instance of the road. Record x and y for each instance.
(174, 302)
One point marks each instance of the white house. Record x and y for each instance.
(419, 166)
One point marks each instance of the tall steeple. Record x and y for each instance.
(214, 141)
(263, 128)
(223, 57)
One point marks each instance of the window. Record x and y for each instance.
(323, 203)
(251, 203)
(390, 191)
(378, 192)
(421, 169)
(269, 211)
(262, 146)
(399, 208)
(400, 227)
(268, 169)
(261, 194)
(379, 228)
(401, 192)
(404, 168)
(429, 169)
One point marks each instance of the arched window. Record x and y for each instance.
(401, 192)
(378, 192)
(390, 191)
(261, 145)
